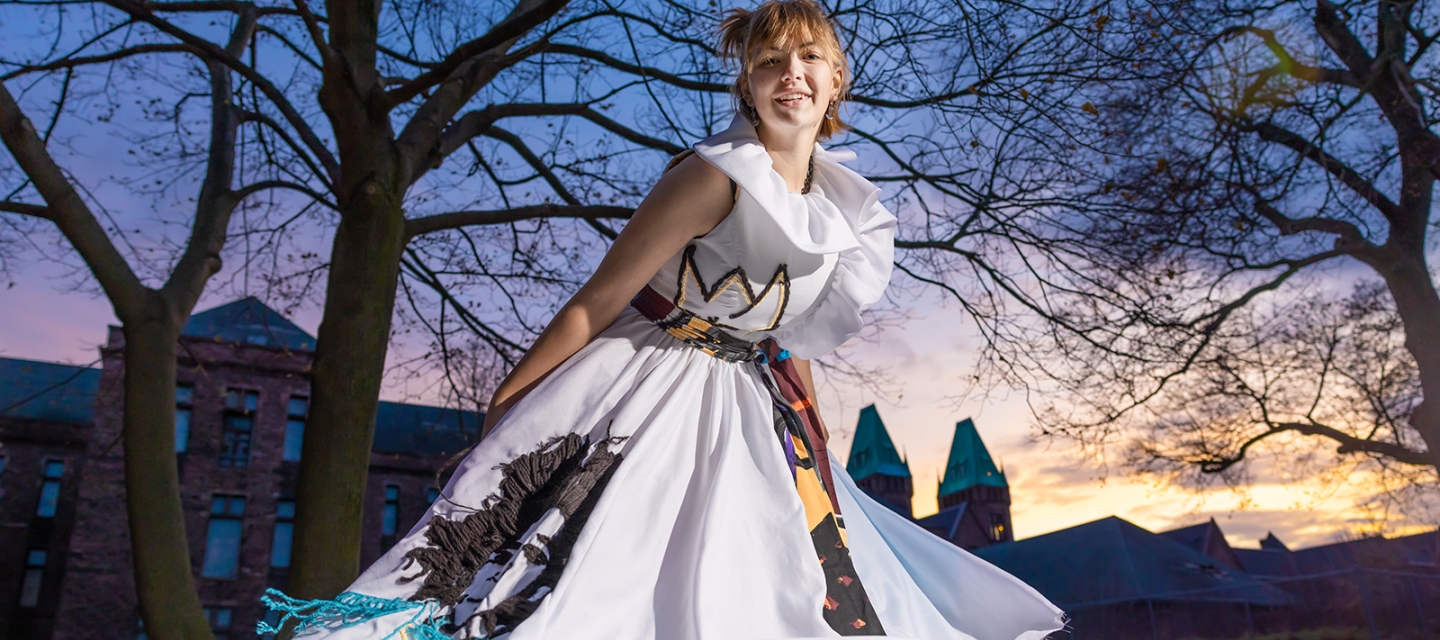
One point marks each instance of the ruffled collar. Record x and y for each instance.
(828, 219)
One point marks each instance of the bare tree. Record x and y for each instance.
(152, 298)
(1231, 254)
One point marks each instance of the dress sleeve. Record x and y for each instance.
(859, 280)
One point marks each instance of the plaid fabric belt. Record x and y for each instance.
(692, 329)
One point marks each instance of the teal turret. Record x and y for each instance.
(876, 466)
(970, 464)
(973, 482)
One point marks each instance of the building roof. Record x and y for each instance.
(1207, 538)
(1419, 552)
(1111, 561)
(1413, 553)
(969, 464)
(48, 391)
(946, 522)
(1266, 562)
(248, 321)
(872, 451)
(1272, 543)
(422, 430)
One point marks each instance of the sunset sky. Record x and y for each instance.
(927, 360)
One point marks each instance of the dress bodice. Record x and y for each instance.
(796, 267)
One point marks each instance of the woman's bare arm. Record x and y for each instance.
(689, 201)
(803, 368)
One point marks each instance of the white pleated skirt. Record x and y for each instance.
(698, 534)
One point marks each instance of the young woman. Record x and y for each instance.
(655, 467)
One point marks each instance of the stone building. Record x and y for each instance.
(974, 495)
(242, 397)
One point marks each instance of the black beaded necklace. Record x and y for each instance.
(809, 174)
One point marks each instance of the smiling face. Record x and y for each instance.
(792, 66)
(791, 87)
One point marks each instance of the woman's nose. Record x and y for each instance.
(794, 66)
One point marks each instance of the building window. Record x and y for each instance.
(389, 517)
(219, 620)
(295, 427)
(239, 423)
(140, 629)
(50, 488)
(997, 527)
(432, 494)
(272, 620)
(34, 575)
(284, 533)
(184, 399)
(222, 540)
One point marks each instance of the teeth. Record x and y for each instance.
(792, 96)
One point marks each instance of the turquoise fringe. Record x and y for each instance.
(352, 608)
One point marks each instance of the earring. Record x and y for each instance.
(752, 115)
(830, 111)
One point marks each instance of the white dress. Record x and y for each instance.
(640, 492)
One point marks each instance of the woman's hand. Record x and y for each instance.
(689, 201)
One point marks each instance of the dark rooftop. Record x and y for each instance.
(248, 321)
(1111, 561)
(48, 391)
(947, 520)
(423, 430)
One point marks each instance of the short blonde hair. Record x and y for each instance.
(785, 23)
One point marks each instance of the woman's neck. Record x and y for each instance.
(790, 154)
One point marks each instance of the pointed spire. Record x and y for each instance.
(872, 451)
(1272, 543)
(969, 463)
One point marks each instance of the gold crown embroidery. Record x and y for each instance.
(779, 284)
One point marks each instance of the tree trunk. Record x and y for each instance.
(163, 575)
(349, 367)
(1419, 306)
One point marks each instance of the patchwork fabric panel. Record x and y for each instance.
(496, 565)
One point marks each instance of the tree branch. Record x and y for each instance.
(547, 174)
(1353, 239)
(272, 93)
(443, 221)
(1342, 41)
(1289, 66)
(1352, 444)
(215, 203)
(477, 123)
(27, 209)
(1334, 166)
(248, 190)
(69, 211)
(70, 63)
(517, 24)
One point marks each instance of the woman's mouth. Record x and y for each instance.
(791, 99)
